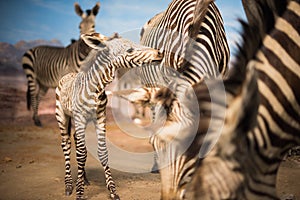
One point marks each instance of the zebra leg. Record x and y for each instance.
(41, 92)
(64, 123)
(81, 155)
(100, 125)
(32, 94)
(86, 181)
(155, 156)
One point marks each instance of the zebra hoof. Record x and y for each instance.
(38, 123)
(80, 198)
(69, 190)
(86, 182)
(114, 197)
(155, 169)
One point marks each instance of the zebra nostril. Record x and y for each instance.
(160, 55)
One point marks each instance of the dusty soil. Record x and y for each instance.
(32, 163)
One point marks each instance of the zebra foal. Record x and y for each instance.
(45, 65)
(256, 124)
(81, 96)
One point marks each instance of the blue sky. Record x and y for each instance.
(56, 19)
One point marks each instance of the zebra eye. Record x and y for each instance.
(130, 50)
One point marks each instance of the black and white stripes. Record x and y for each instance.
(192, 36)
(82, 97)
(260, 115)
(45, 65)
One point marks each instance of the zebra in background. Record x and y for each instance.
(45, 65)
(82, 97)
(260, 116)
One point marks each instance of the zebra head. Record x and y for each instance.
(87, 24)
(115, 46)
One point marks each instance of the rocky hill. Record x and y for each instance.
(11, 55)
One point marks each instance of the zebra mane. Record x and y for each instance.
(199, 13)
(241, 80)
(89, 60)
(263, 24)
(114, 36)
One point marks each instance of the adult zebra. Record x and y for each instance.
(82, 96)
(45, 65)
(191, 35)
(259, 127)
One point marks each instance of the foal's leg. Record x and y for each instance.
(64, 123)
(100, 124)
(81, 154)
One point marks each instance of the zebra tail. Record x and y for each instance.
(28, 98)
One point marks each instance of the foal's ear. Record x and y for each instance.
(132, 95)
(94, 40)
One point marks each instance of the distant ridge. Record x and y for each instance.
(11, 55)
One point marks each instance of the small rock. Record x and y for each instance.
(18, 166)
(57, 179)
(288, 197)
(31, 162)
(7, 159)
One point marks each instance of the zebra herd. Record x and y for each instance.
(248, 115)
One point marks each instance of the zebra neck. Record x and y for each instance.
(83, 50)
(103, 72)
(76, 53)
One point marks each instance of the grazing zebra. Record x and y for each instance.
(45, 65)
(258, 122)
(82, 97)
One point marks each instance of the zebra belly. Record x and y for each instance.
(67, 93)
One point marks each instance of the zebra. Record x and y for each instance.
(45, 65)
(192, 37)
(190, 31)
(81, 96)
(257, 123)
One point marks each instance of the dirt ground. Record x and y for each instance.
(32, 163)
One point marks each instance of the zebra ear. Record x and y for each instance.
(96, 8)
(78, 9)
(132, 95)
(94, 40)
